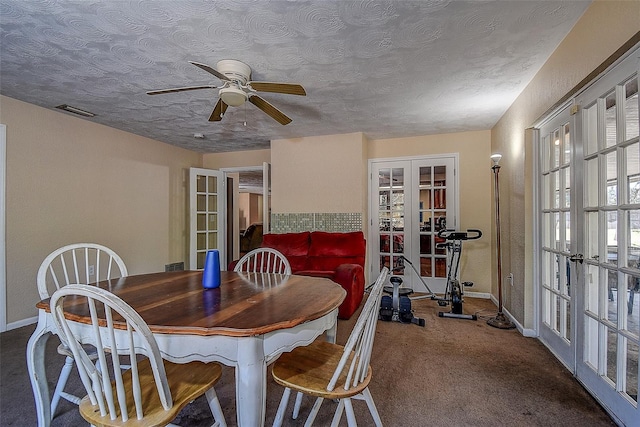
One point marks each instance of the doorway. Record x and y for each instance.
(253, 209)
(413, 200)
(589, 240)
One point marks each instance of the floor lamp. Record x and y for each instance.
(499, 321)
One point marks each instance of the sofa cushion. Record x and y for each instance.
(337, 244)
(294, 246)
(329, 250)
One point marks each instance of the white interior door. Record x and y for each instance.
(413, 200)
(207, 196)
(609, 313)
(558, 274)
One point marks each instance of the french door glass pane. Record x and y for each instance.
(632, 369)
(591, 129)
(547, 231)
(555, 181)
(633, 238)
(631, 109)
(612, 237)
(632, 160)
(631, 304)
(612, 351)
(546, 303)
(612, 299)
(591, 236)
(567, 187)
(592, 289)
(556, 149)
(556, 226)
(610, 120)
(426, 268)
(566, 145)
(546, 264)
(591, 182)
(546, 153)
(441, 267)
(556, 273)
(567, 234)
(565, 276)
(546, 186)
(556, 313)
(567, 322)
(591, 344)
(612, 173)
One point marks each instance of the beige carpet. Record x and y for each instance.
(450, 373)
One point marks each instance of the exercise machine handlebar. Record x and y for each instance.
(470, 234)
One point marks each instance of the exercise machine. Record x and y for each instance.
(397, 307)
(453, 294)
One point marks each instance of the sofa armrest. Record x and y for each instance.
(351, 278)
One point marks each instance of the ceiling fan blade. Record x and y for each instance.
(276, 114)
(179, 89)
(218, 111)
(211, 70)
(286, 88)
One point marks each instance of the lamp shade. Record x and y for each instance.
(495, 158)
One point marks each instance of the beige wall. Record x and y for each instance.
(236, 159)
(320, 174)
(604, 27)
(70, 180)
(475, 178)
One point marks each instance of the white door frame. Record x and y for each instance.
(3, 241)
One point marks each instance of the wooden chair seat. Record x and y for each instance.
(153, 391)
(330, 371)
(309, 369)
(186, 382)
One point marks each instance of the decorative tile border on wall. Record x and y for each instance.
(332, 222)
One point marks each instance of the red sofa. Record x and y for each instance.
(336, 256)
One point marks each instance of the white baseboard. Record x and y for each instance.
(21, 323)
(526, 332)
(483, 295)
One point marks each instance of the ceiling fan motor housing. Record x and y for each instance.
(235, 70)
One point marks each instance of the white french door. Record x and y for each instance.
(558, 290)
(589, 240)
(609, 314)
(413, 200)
(207, 202)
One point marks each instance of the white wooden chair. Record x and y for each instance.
(332, 371)
(154, 390)
(77, 263)
(264, 260)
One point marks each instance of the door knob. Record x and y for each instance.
(577, 258)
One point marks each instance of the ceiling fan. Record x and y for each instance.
(237, 88)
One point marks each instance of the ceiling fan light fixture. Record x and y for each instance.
(233, 96)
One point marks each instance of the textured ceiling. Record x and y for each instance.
(385, 68)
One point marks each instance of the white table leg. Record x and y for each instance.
(37, 374)
(251, 382)
(333, 331)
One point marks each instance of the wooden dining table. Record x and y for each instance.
(245, 323)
